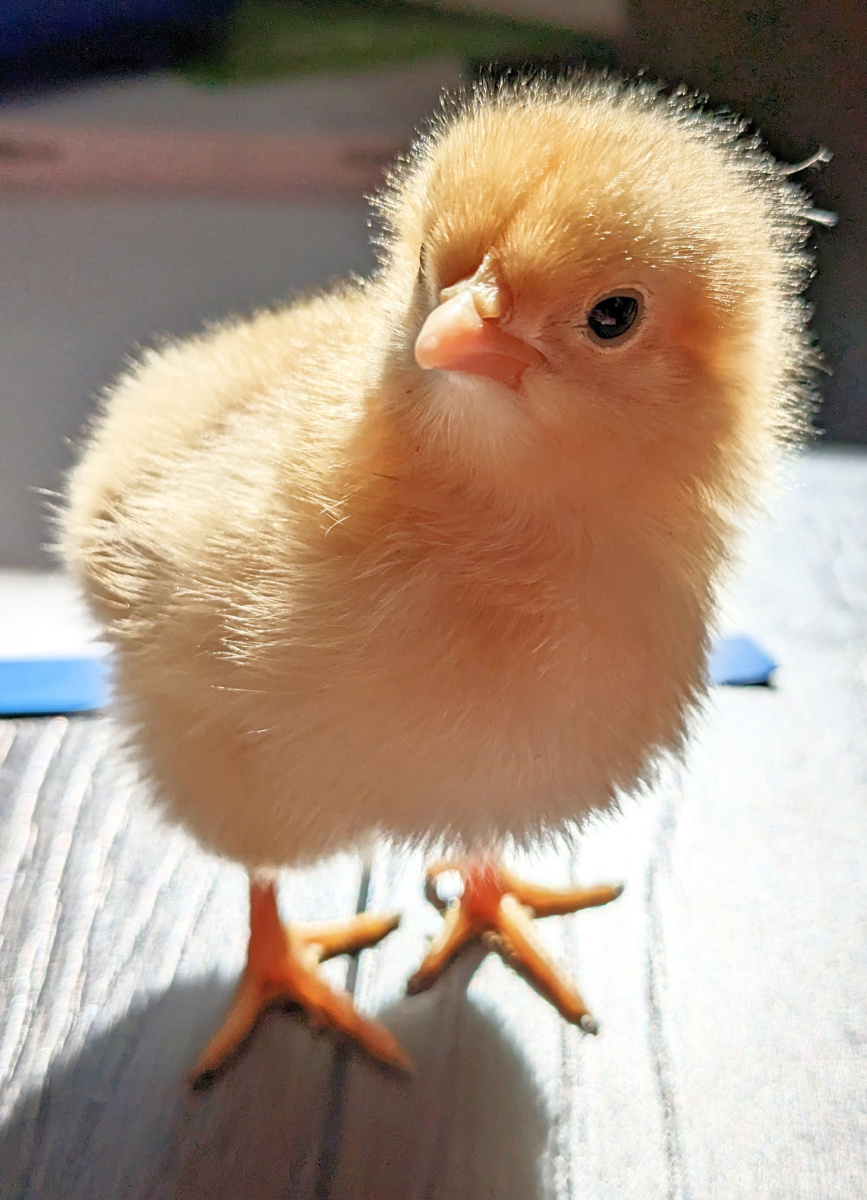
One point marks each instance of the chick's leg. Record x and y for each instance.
(283, 966)
(499, 908)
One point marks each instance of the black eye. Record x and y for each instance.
(613, 316)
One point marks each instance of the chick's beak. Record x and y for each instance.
(463, 333)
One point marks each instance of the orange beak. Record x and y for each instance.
(463, 334)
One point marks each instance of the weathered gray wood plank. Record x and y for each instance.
(762, 893)
(120, 945)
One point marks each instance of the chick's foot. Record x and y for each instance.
(283, 967)
(499, 909)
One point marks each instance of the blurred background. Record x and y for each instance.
(164, 163)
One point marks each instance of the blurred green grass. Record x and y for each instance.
(268, 39)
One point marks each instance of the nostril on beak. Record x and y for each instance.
(487, 298)
(489, 295)
(489, 301)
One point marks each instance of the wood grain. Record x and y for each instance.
(121, 945)
(728, 980)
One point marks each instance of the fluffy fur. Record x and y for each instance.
(347, 595)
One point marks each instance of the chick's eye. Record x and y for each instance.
(613, 316)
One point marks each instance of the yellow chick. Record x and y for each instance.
(434, 554)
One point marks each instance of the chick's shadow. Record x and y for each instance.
(292, 1117)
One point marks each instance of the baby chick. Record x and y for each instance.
(434, 554)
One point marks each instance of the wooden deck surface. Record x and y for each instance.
(729, 979)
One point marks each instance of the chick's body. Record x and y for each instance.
(348, 594)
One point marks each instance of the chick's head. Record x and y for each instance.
(596, 286)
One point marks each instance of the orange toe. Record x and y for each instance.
(500, 909)
(283, 967)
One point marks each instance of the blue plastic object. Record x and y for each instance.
(738, 662)
(65, 685)
(53, 685)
